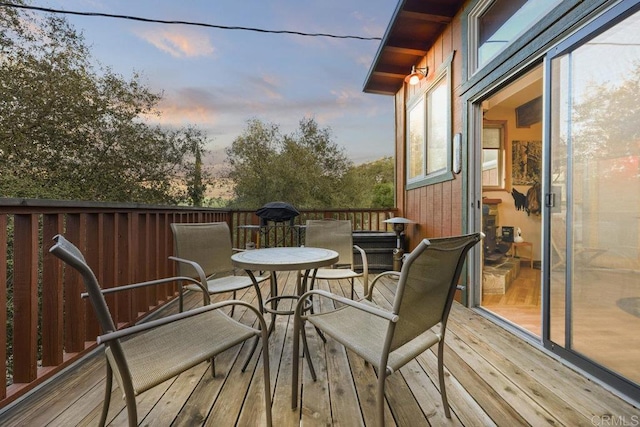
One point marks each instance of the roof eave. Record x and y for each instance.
(414, 27)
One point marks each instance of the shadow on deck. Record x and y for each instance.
(493, 378)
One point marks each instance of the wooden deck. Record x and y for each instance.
(493, 378)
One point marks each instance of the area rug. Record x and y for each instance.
(631, 305)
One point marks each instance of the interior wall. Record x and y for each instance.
(531, 225)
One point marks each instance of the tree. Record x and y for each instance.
(305, 168)
(606, 121)
(69, 131)
(370, 185)
(196, 185)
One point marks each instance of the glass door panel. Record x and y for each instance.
(594, 259)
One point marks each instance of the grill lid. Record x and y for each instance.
(277, 212)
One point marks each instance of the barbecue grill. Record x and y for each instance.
(277, 212)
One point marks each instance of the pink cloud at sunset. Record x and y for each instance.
(178, 42)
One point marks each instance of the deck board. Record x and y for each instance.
(492, 378)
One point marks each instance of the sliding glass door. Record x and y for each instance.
(592, 182)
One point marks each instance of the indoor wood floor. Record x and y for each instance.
(493, 378)
(520, 304)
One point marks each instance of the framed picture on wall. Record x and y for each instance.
(526, 166)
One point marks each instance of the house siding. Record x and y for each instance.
(440, 209)
(437, 208)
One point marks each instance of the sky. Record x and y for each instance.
(218, 79)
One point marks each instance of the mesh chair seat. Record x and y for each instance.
(227, 284)
(336, 273)
(364, 333)
(151, 361)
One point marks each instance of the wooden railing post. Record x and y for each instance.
(124, 312)
(94, 255)
(74, 307)
(25, 298)
(52, 294)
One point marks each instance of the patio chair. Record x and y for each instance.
(337, 235)
(388, 339)
(147, 354)
(203, 252)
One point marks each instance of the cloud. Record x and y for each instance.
(348, 97)
(187, 106)
(178, 42)
(269, 85)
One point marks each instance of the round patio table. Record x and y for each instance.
(284, 259)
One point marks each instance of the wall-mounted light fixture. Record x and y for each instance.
(416, 75)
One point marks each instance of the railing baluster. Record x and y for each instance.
(123, 247)
(74, 307)
(94, 256)
(52, 301)
(154, 253)
(25, 298)
(107, 242)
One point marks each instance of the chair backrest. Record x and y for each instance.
(427, 285)
(331, 234)
(71, 255)
(208, 244)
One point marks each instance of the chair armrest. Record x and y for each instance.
(378, 277)
(197, 267)
(143, 284)
(365, 267)
(356, 304)
(122, 333)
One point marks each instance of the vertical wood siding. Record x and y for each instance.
(437, 208)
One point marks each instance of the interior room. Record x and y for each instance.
(511, 220)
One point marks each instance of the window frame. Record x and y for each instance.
(504, 164)
(473, 33)
(443, 74)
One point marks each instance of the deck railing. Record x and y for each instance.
(48, 325)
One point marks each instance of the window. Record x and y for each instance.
(494, 24)
(429, 132)
(416, 143)
(493, 162)
(437, 138)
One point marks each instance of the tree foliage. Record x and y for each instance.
(373, 184)
(607, 119)
(305, 168)
(71, 131)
